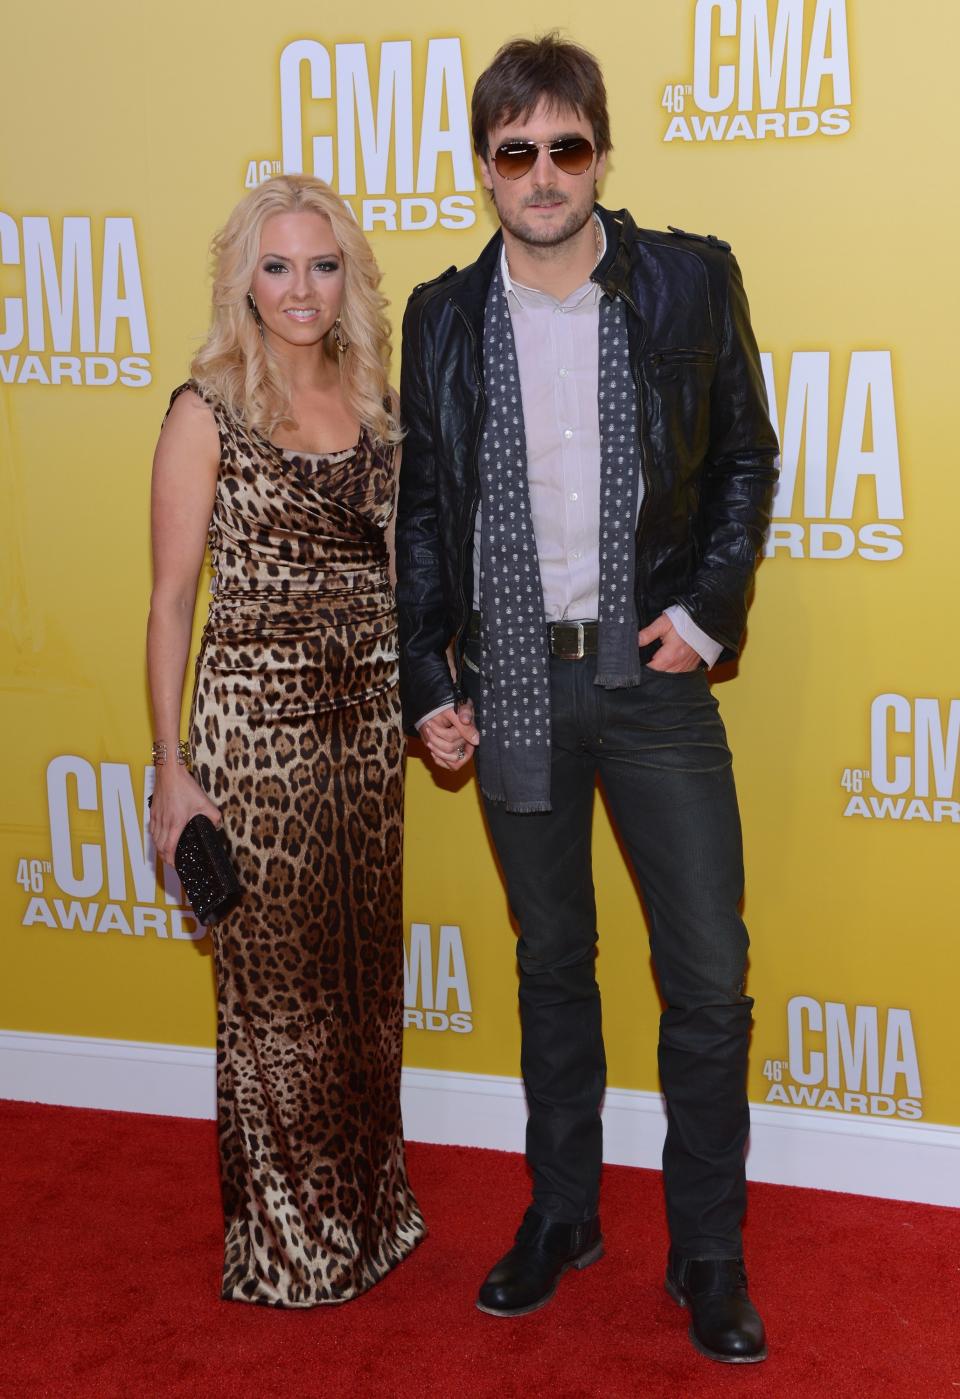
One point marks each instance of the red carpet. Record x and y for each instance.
(110, 1255)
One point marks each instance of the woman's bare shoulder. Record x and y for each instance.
(190, 427)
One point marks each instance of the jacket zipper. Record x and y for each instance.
(682, 356)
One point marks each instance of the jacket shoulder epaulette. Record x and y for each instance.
(434, 282)
(709, 238)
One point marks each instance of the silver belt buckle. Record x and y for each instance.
(576, 655)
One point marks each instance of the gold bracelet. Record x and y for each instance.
(160, 753)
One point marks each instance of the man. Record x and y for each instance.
(585, 488)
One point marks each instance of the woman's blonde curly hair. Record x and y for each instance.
(233, 363)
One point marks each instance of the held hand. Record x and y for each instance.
(673, 654)
(176, 798)
(451, 736)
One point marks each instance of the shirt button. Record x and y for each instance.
(568, 432)
(574, 496)
(576, 554)
(563, 373)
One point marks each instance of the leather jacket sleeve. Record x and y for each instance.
(425, 682)
(738, 480)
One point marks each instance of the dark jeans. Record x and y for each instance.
(661, 753)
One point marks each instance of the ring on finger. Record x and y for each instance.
(461, 751)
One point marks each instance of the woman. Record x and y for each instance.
(282, 449)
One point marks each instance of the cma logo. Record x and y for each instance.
(762, 71)
(369, 139)
(850, 1059)
(433, 972)
(78, 294)
(854, 470)
(914, 747)
(98, 877)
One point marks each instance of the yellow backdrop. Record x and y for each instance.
(802, 131)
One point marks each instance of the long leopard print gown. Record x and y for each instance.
(296, 735)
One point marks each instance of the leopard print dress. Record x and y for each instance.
(296, 736)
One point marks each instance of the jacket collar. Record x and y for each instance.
(469, 288)
(613, 269)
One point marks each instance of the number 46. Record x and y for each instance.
(673, 97)
(30, 876)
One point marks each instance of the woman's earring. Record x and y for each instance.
(254, 311)
(339, 339)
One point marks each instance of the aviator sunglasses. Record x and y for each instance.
(571, 154)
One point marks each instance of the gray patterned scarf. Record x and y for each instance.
(513, 710)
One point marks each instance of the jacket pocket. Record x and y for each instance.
(682, 367)
(681, 355)
(666, 365)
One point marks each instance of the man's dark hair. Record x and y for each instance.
(527, 71)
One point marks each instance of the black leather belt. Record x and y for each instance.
(568, 641)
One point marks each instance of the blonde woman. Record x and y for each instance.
(281, 451)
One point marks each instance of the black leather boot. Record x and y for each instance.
(724, 1323)
(526, 1277)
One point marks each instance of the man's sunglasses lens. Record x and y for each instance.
(572, 155)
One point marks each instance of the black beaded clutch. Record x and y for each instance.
(202, 860)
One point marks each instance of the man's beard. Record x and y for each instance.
(527, 232)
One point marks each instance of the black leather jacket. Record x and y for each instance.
(707, 449)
